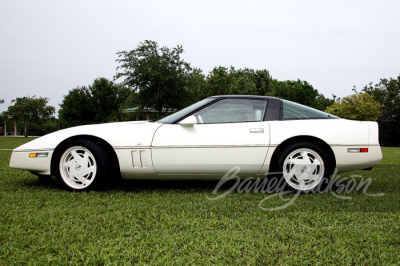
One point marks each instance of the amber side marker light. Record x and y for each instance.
(38, 155)
(357, 150)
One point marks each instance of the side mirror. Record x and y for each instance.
(189, 121)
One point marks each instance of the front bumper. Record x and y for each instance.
(39, 165)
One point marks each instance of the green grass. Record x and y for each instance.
(13, 142)
(172, 222)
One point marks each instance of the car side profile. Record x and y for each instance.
(259, 134)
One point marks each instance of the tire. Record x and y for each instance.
(304, 167)
(83, 165)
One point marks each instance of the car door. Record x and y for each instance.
(225, 134)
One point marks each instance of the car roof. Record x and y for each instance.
(255, 97)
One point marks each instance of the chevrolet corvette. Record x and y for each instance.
(258, 134)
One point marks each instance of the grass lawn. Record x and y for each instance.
(173, 222)
(12, 142)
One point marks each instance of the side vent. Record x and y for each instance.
(139, 159)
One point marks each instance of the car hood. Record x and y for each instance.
(118, 135)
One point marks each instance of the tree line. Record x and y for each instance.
(151, 76)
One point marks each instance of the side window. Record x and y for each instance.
(293, 110)
(232, 111)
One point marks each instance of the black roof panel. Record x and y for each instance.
(246, 97)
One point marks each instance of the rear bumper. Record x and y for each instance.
(347, 161)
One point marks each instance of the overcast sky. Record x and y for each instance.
(50, 47)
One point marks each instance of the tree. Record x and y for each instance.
(107, 98)
(196, 85)
(358, 106)
(221, 81)
(297, 91)
(96, 103)
(76, 107)
(158, 75)
(243, 84)
(321, 103)
(30, 109)
(250, 82)
(387, 93)
(218, 82)
(46, 126)
(262, 80)
(5, 118)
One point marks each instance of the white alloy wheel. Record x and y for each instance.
(303, 169)
(78, 167)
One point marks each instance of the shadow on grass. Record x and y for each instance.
(259, 185)
(35, 183)
(134, 185)
(355, 201)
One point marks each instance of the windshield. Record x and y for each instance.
(184, 112)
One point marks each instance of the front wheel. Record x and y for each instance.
(304, 167)
(82, 165)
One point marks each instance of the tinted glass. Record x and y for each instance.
(232, 111)
(293, 110)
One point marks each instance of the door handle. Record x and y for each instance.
(256, 130)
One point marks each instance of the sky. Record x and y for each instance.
(49, 47)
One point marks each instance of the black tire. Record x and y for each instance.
(82, 165)
(304, 167)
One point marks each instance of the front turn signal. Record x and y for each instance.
(38, 155)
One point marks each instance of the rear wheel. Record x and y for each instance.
(83, 164)
(304, 167)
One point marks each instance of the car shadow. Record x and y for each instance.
(139, 185)
(196, 185)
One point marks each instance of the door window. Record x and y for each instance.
(232, 111)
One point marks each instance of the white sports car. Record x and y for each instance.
(258, 134)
